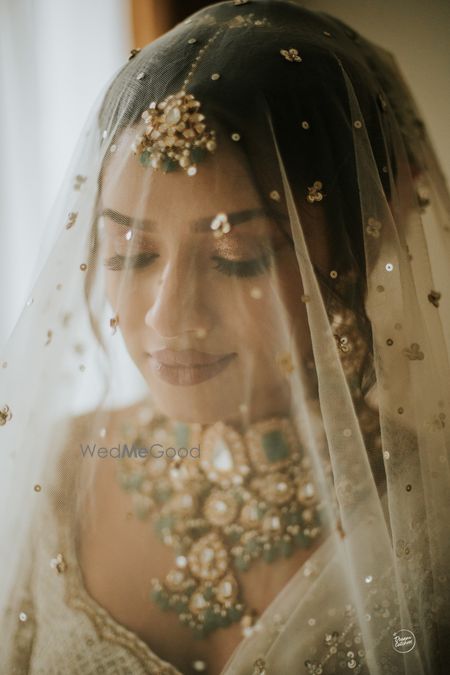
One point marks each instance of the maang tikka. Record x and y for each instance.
(175, 132)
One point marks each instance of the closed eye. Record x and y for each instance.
(243, 268)
(120, 262)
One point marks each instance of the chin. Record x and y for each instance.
(188, 409)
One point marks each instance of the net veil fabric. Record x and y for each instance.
(257, 186)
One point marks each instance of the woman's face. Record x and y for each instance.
(233, 299)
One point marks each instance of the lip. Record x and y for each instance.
(167, 365)
(187, 357)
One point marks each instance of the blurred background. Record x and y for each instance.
(56, 55)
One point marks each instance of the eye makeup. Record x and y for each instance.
(234, 253)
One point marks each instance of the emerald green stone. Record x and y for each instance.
(211, 619)
(226, 620)
(163, 494)
(208, 593)
(181, 434)
(251, 546)
(137, 479)
(234, 613)
(168, 165)
(269, 554)
(165, 522)
(287, 548)
(301, 540)
(145, 158)
(241, 564)
(197, 531)
(233, 537)
(132, 481)
(141, 511)
(156, 594)
(161, 598)
(237, 496)
(275, 446)
(197, 154)
(180, 606)
(294, 518)
(125, 483)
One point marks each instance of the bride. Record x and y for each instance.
(223, 409)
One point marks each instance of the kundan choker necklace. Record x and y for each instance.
(222, 499)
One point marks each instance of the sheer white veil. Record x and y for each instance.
(338, 156)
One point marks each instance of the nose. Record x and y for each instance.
(178, 305)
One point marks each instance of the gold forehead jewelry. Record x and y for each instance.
(176, 135)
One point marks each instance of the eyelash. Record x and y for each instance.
(239, 268)
(120, 262)
(243, 268)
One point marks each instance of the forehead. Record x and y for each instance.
(223, 182)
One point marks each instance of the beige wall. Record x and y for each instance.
(417, 32)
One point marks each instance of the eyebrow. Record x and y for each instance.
(199, 225)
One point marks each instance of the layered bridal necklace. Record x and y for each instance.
(222, 500)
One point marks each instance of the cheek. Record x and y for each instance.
(297, 311)
(128, 300)
(256, 314)
(289, 291)
(112, 288)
